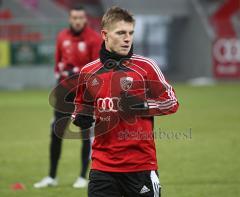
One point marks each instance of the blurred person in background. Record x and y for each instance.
(75, 47)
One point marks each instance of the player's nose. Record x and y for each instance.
(127, 38)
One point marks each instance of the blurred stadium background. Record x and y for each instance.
(197, 45)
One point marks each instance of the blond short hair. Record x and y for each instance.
(116, 14)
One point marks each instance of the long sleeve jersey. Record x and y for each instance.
(124, 140)
(75, 51)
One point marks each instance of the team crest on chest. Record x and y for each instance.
(126, 83)
(82, 46)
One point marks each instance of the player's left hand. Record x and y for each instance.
(131, 103)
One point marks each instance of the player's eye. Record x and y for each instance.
(121, 32)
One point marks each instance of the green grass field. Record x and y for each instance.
(205, 165)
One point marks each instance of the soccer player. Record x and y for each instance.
(121, 92)
(75, 47)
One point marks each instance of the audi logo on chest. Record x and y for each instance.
(227, 50)
(108, 104)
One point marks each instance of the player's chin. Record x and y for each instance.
(124, 52)
(77, 28)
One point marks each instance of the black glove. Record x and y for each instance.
(82, 121)
(131, 103)
(70, 69)
(71, 73)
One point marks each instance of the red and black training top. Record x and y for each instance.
(124, 140)
(75, 51)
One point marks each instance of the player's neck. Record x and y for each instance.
(76, 32)
(106, 54)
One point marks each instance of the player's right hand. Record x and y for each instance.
(83, 121)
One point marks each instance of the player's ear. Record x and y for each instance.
(69, 17)
(69, 20)
(104, 34)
